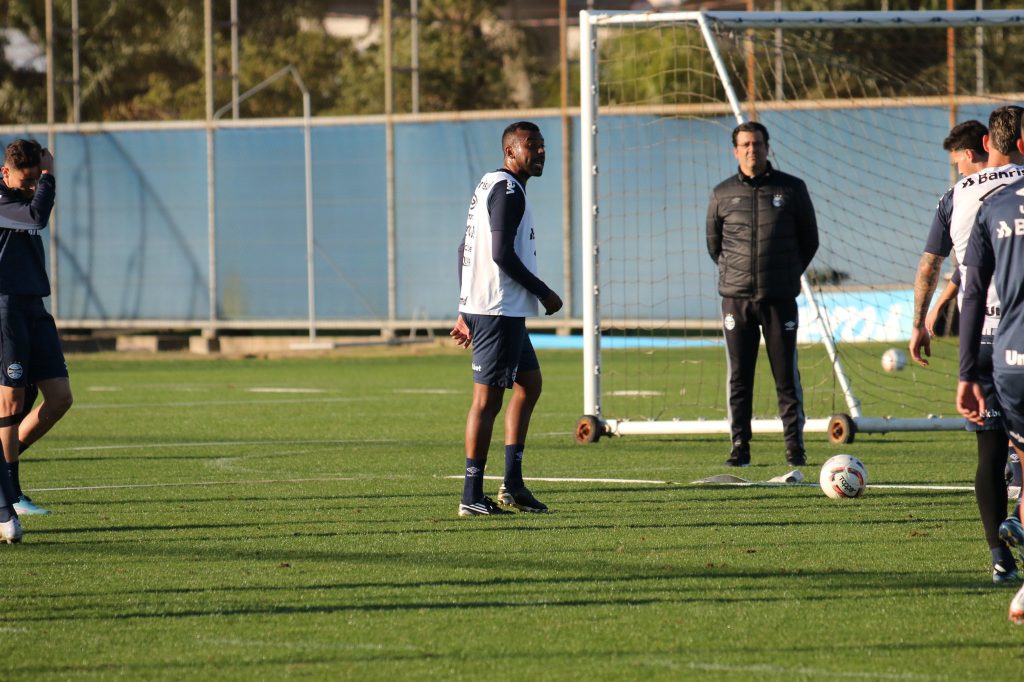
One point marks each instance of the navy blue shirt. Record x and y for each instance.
(995, 249)
(22, 260)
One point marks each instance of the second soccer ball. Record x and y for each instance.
(893, 360)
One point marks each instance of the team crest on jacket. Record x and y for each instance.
(778, 200)
(730, 322)
(15, 370)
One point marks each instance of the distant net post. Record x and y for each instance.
(858, 104)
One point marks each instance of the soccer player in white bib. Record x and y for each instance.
(995, 252)
(499, 290)
(950, 232)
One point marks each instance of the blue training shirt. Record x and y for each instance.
(995, 251)
(22, 260)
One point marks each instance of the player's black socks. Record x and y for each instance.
(1004, 557)
(12, 469)
(8, 498)
(473, 488)
(990, 483)
(514, 467)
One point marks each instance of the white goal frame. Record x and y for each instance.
(840, 427)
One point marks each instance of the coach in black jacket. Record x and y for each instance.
(762, 233)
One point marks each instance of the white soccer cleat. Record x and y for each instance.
(1017, 608)
(10, 530)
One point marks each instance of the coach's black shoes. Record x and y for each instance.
(796, 458)
(483, 507)
(739, 457)
(522, 499)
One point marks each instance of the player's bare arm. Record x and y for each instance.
(924, 286)
(460, 332)
(970, 401)
(552, 303)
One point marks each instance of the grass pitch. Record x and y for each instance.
(293, 519)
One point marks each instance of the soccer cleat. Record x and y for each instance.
(10, 530)
(25, 506)
(739, 457)
(796, 458)
(1017, 608)
(482, 507)
(1012, 533)
(1004, 576)
(521, 499)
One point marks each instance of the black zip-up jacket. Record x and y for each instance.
(762, 233)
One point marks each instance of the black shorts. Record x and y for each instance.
(29, 345)
(1011, 389)
(501, 349)
(993, 406)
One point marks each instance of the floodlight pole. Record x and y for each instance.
(290, 70)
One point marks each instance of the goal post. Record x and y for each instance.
(857, 104)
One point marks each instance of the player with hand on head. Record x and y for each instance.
(499, 290)
(951, 231)
(30, 350)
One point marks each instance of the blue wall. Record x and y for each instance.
(132, 211)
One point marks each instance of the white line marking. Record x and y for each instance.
(204, 403)
(819, 673)
(637, 394)
(581, 480)
(219, 443)
(429, 391)
(282, 389)
(259, 481)
(750, 484)
(901, 486)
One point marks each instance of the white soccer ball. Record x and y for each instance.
(893, 360)
(843, 477)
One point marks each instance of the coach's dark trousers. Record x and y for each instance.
(743, 321)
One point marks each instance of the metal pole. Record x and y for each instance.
(751, 69)
(310, 273)
(780, 64)
(389, 134)
(51, 143)
(76, 71)
(211, 181)
(588, 217)
(563, 50)
(234, 59)
(414, 9)
(979, 54)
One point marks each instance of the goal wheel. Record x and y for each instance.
(588, 429)
(841, 429)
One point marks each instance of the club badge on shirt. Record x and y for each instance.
(778, 200)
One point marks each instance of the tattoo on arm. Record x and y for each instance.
(924, 285)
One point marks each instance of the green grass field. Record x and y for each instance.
(204, 527)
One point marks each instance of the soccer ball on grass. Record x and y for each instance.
(843, 477)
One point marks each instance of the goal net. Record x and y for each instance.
(857, 105)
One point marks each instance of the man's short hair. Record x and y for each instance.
(1004, 129)
(749, 127)
(967, 136)
(510, 132)
(23, 154)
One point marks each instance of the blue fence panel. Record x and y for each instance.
(131, 219)
(437, 168)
